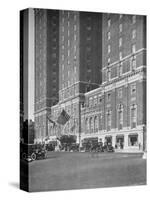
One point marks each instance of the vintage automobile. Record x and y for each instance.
(74, 147)
(108, 148)
(31, 152)
(51, 146)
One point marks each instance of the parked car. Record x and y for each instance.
(108, 148)
(74, 147)
(31, 152)
(51, 146)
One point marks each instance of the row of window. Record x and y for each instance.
(93, 124)
(93, 101)
(133, 50)
(109, 21)
(120, 68)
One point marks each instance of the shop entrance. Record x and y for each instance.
(133, 140)
(119, 142)
(108, 140)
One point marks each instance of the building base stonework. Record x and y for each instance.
(129, 140)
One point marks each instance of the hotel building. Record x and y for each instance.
(100, 76)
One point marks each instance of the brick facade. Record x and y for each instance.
(102, 77)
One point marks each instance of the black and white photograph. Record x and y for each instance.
(82, 100)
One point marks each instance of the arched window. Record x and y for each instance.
(91, 125)
(95, 124)
(100, 121)
(87, 125)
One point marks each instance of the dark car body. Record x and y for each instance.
(32, 152)
(108, 148)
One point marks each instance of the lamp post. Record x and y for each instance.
(79, 125)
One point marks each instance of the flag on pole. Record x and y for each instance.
(63, 117)
(54, 123)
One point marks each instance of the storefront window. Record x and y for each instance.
(133, 140)
(108, 140)
(119, 142)
(133, 117)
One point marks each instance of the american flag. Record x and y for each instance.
(63, 117)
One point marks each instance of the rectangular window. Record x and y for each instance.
(89, 28)
(120, 55)
(63, 19)
(133, 89)
(120, 16)
(120, 119)
(75, 27)
(133, 48)
(88, 38)
(95, 100)
(68, 43)
(108, 121)
(63, 47)
(108, 96)
(90, 102)
(133, 63)
(120, 28)
(100, 99)
(108, 35)
(75, 17)
(109, 22)
(133, 19)
(108, 48)
(133, 34)
(63, 57)
(133, 117)
(63, 28)
(120, 42)
(68, 52)
(108, 61)
(68, 33)
(75, 48)
(75, 37)
(68, 23)
(120, 93)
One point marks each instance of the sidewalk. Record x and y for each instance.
(128, 150)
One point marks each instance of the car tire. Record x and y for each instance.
(33, 156)
(24, 156)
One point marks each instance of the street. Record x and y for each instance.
(65, 170)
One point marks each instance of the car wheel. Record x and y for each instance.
(24, 156)
(33, 156)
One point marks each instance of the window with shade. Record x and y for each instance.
(91, 125)
(108, 121)
(95, 124)
(133, 116)
(120, 117)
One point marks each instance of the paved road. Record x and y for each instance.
(62, 170)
